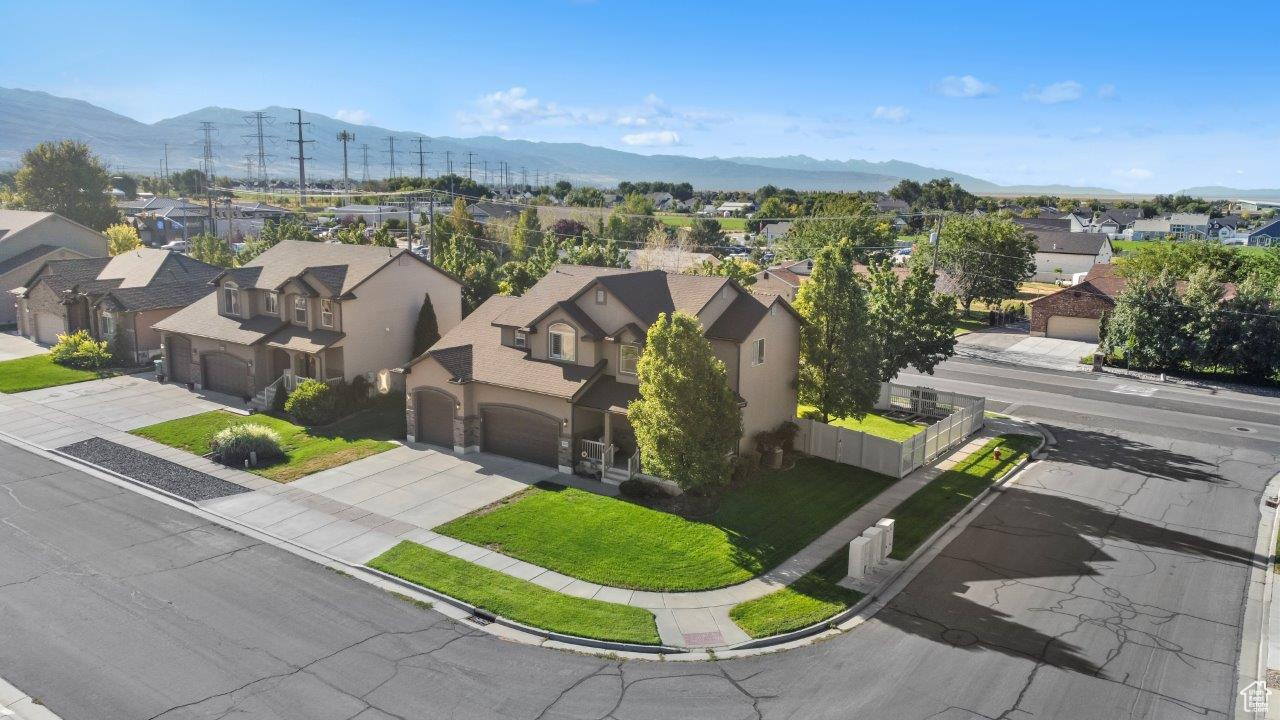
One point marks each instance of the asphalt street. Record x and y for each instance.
(1108, 583)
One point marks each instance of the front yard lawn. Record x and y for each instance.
(40, 371)
(972, 322)
(307, 450)
(809, 600)
(920, 515)
(872, 423)
(519, 600)
(615, 542)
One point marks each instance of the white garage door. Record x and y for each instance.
(1063, 327)
(48, 325)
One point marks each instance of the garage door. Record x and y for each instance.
(520, 434)
(1063, 327)
(178, 352)
(226, 374)
(48, 325)
(435, 418)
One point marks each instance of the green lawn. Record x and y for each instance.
(969, 323)
(872, 423)
(307, 450)
(519, 600)
(809, 600)
(920, 515)
(1127, 246)
(40, 371)
(729, 224)
(614, 542)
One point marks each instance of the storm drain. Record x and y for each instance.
(1241, 428)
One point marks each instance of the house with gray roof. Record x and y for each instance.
(1061, 254)
(301, 309)
(547, 377)
(112, 298)
(29, 239)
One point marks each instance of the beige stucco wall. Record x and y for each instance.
(148, 338)
(380, 320)
(57, 231)
(769, 389)
(17, 276)
(716, 305)
(611, 315)
(586, 350)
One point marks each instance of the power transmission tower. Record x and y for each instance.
(422, 158)
(486, 172)
(248, 170)
(207, 129)
(469, 156)
(524, 176)
(448, 164)
(391, 149)
(302, 161)
(364, 173)
(258, 122)
(345, 137)
(164, 169)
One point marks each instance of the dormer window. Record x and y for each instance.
(521, 339)
(231, 299)
(561, 343)
(326, 312)
(272, 303)
(300, 310)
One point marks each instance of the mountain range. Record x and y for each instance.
(28, 117)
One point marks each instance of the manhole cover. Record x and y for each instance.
(959, 638)
(1241, 428)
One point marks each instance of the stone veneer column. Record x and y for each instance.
(410, 419)
(564, 453)
(466, 434)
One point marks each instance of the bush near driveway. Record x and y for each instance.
(40, 371)
(238, 443)
(920, 515)
(306, 450)
(758, 524)
(516, 599)
(80, 350)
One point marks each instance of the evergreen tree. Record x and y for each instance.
(839, 361)
(687, 418)
(426, 332)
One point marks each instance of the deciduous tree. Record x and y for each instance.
(912, 323)
(66, 178)
(121, 238)
(985, 258)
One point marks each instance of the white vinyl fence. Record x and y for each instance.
(958, 417)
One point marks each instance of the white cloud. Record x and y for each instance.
(500, 110)
(965, 86)
(358, 117)
(1133, 173)
(505, 110)
(656, 138)
(1107, 91)
(1060, 92)
(891, 113)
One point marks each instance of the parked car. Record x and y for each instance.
(178, 246)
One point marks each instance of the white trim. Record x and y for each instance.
(568, 342)
(757, 352)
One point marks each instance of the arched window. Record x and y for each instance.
(231, 299)
(561, 342)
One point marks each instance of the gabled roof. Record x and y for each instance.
(561, 283)
(1103, 280)
(1068, 243)
(739, 319)
(13, 222)
(26, 256)
(202, 319)
(142, 279)
(339, 266)
(1036, 223)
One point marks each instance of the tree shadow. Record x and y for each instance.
(1104, 451)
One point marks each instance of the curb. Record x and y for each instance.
(17, 704)
(831, 623)
(233, 524)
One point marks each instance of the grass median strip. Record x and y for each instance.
(809, 600)
(920, 515)
(307, 450)
(519, 600)
(40, 371)
(611, 541)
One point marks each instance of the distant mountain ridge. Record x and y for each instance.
(28, 117)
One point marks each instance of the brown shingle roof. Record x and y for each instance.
(561, 283)
(739, 319)
(290, 258)
(202, 319)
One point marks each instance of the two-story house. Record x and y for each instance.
(306, 310)
(547, 377)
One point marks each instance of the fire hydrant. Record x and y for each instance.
(997, 454)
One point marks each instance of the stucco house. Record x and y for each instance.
(1059, 255)
(122, 295)
(28, 239)
(547, 377)
(306, 310)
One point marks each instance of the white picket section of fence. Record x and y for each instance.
(959, 416)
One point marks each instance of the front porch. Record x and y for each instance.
(604, 441)
(294, 357)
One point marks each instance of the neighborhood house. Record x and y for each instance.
(306, 310)
(547, 377)
(28, 240)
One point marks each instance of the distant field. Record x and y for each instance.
(1125, 246)
(731, 224)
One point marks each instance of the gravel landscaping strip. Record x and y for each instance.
(163, 474)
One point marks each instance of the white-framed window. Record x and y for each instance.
(107, 325)
(601, 296)
(300, 310)
(326, 312)
(757, 352)
(628, 356)
(521, 339)
(560, 342)
(272, 303)
(231, 299)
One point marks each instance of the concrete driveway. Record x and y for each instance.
(1014, 346)
(57, 416)
(14, 346)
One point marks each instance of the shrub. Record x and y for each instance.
(745, 467)
(80, 350)
(315, 403)
(232, 445)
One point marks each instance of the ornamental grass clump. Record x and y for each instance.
(233, 445)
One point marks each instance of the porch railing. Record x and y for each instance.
(594, 450)
(633, 465)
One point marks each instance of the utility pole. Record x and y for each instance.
(448, 163)
(524, 176)
(302, 161)
(164, 169)
(345, 137)
(469, 156)
(431, 218)
(422, 159)
(486, 172)
(391, 149)
(364, 173)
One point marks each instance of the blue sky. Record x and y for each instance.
(1138, 96)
